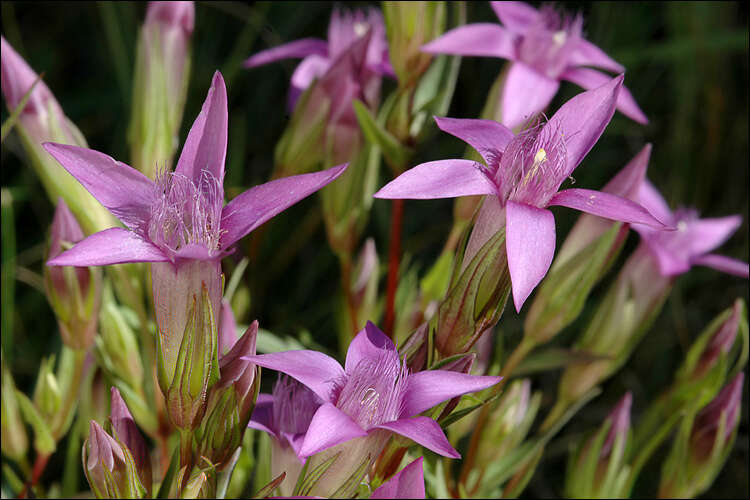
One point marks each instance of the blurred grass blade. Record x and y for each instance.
(13, 118)
(7, 272)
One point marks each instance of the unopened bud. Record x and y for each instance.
(42, 120)
(73, 292)
(47, 395)
(117, 344)
(109, 466)
(162, 72)
(15, 442)
(125, 431)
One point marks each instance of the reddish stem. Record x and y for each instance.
(394, 254)
(36, 474)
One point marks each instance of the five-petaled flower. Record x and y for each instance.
(521, 176)
(373, 396)
(544, 48)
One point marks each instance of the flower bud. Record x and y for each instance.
(15, 442)
(117, 344)
(109, 466)
(73, 292)
(125, 431)
(703, 444)
(47, 394)
(43, 120)
(201, 483)
(162, 71)
(196, 368)
(231, 401)
(596, 469)
(409, 25)
(622, 318)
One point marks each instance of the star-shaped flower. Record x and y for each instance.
(545, 48)
(521, 176)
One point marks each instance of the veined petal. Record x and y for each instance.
(530, 245)
(262, 418)
(111, 246)
(368, 344)
(329, 427)
(628, 181)
(609, 206)
(407, 483)
(486, 136)
(588, 54)
(123, 190)
(526, 93)
(439, 179)
(314, 369)
(480, 39)
(297, 48)
(260, 203)
(724, 264)
(430, 388)
(206, 144)
(516, 16)
(424, 431)
(590, 78)
(582, 120)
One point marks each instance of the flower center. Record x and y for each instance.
(373, 393)
(293, 405)
(184, 213)
(547, 44)
(532, 165)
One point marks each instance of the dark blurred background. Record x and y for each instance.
(687, 66)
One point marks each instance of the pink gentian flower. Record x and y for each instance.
(374, 392)
(544, 48)
(521, 176)
(689, 245)
(319, 56)
(178, 223)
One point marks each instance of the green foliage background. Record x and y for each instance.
(687, 66)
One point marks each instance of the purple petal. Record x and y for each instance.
(368, 344)
(530, 244)
(196, 251)
(260, 203)
(516, 16)
(486, 136)
(481, 39)
(628, 181)
(605, 205)
(490, 220)
(205, 148)
(298, 48)
(314, 369)
(526, 93)
(724, 264)
(296, 441)
(262, 418)
(407, 483)
(588, 54)
(582, 120)
(64, 227)
(591, 78)
(311, 68)
(329, 427)
(707, 234)
(430, 388)
(123, 190)
(439, 179)
(17, 77)
(111, 246)
(653, 201)
(424, 431)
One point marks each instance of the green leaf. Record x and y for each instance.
(268, 489)
(396, 154)
(170, 476)
(554, 358)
